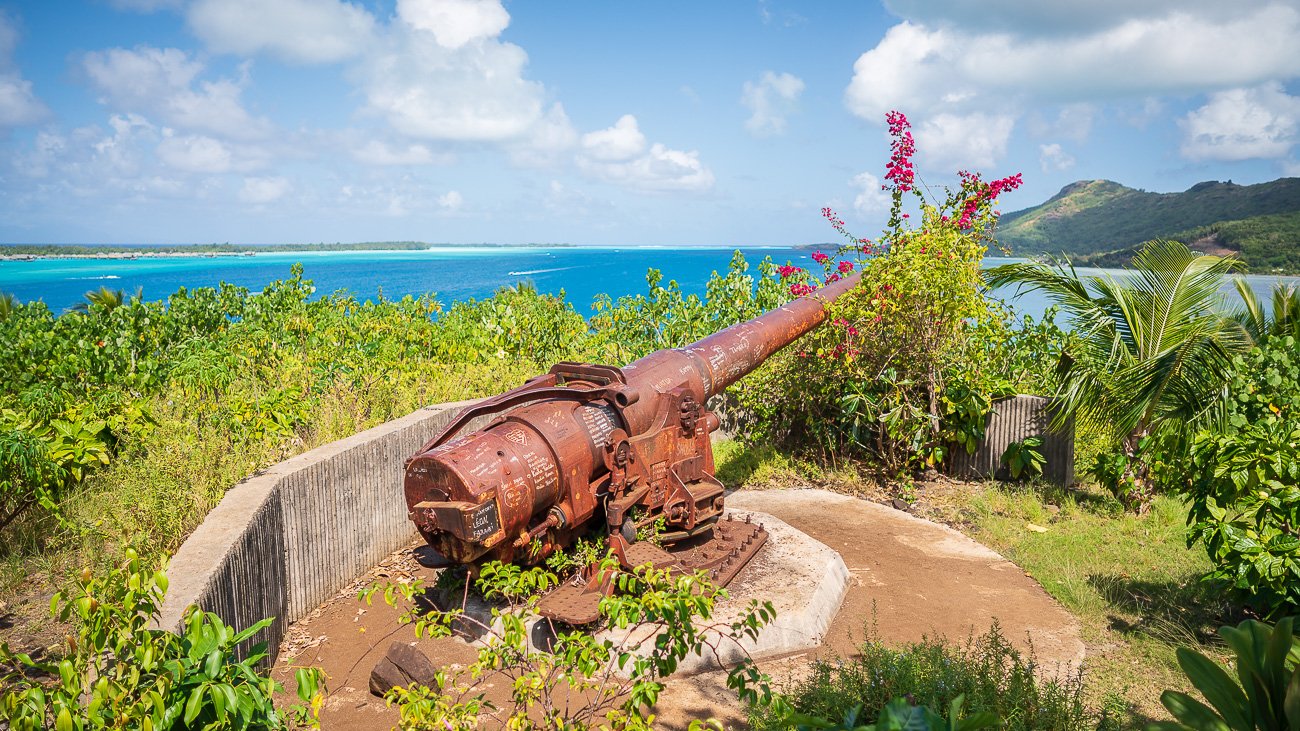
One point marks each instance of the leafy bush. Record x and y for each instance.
(987, 672)
(900, 715)
(119, 673)
(1244, 480)
(1150, 355)
(585, 681)
(1265, 695)
(1024, 458)
(914, 356)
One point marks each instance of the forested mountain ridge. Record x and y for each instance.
(1097, 221)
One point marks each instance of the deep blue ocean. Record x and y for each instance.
(450, 273)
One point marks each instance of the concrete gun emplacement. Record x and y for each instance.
(585, 447)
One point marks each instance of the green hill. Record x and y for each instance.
(1098, 220)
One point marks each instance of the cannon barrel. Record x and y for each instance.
(590, 443)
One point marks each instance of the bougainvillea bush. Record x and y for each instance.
(914, 354)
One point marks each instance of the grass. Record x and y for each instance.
(987, 672)
(178, 471)
(1131, 580)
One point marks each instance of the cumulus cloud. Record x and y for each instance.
(547, 141)
(195, 154)
(1242, 124)
(300, 31)
(618, 155)
(950, 57)
(451, 201)
(871, 198)
(770, 100)
(1052, 158)
(260, 191)
(1072, 121)
(376, 152)
(955, 141)
(455, 23)
(619, 143)
(472, 92)
(18, 103)
(162, 82)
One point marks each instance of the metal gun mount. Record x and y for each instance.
(590, 445)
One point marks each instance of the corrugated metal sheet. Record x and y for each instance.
(1013, 420)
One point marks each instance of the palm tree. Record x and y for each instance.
(1259, 325)
(8, 303)
(1151, 350)
(109, 299)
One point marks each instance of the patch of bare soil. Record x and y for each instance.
(909, 578)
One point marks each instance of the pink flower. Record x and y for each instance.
(819, 257)
(845, 267)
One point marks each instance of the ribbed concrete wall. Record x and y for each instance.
(1012, 420)
(280, 543)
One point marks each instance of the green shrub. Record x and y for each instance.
(987, 672)
(911, 359)
(1024, 458)
(1243, 479)
(1265, 695)
(586, 681)
(900, 715)
(119, 673)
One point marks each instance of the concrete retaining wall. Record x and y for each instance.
(282, 542)
(1012, 420)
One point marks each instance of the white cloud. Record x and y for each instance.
(1242, 124)
(195, 154)
(475, 92)
(619, 143)
(161, 81)
(18, 103)
(376, 152)
(1291, 168)
(451, 201)
(1073, 122)
(871, 198)
(455, 23)
(618, 155)
(950, 57)
(1051, 157)
(952, 141)
(301, 31)
(770, 101)
(547, 141)
(260, 191)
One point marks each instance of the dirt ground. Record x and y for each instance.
(910, 578)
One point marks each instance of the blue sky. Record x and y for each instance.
(729, 123)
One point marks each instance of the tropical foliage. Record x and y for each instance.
(1264, 695)
(915, 355)
(1150, 354)
(1243, 480)
(119, 673)
(586, 680)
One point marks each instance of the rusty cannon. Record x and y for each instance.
(586, 447)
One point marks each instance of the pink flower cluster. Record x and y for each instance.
(863, 245)
(786, 271)
(845, 267)
(981, 193)
(820, 258)
(799, 289)
(899, 171)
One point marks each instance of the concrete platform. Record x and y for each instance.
(803, 578)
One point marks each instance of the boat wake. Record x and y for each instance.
(537, 271)
(106, 276)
